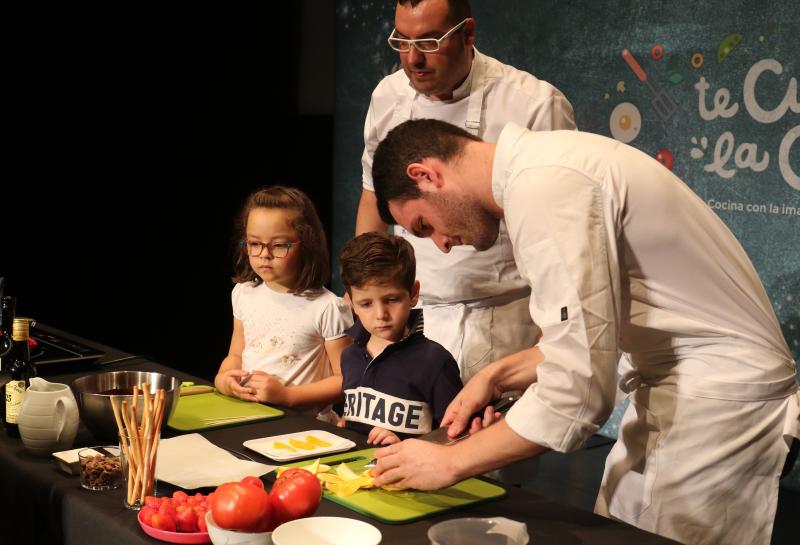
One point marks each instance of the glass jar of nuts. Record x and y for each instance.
(100, 468)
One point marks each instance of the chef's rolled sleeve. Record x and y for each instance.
(562, 230)
(551, 423)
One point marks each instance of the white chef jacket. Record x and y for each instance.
(475, 303)
(623, 257)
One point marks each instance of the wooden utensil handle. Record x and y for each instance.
(193, 390)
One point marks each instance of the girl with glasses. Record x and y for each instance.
(288, 329)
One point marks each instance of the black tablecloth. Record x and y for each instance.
(41, 504)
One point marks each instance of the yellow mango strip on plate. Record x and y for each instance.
(317, 441)
(301, 444)
(278, 445)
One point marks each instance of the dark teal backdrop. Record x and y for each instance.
(737, 158)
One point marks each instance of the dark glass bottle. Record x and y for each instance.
(7, 307)
(22, 370)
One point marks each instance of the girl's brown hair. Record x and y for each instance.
(314, 257)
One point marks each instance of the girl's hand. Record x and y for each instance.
(267, 388)
(342, 422)
(380, 436)
(232, 380)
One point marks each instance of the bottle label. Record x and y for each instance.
(15, 391)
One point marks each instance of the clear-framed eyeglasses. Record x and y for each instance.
(275, 249)
(424, 45)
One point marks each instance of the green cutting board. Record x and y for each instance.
(403, 506)
(191, 412)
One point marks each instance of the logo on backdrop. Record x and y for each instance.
(728, 156)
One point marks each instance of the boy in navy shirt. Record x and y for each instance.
(396, 382)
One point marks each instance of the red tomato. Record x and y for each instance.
(147, 514)
(255, 481)
(201, 523)
(164, 521)
(152, 501)
(167, 508)
(295, 494)
(239, 506)
(186, 520)
(180, 496)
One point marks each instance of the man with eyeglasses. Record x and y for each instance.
(475, 303)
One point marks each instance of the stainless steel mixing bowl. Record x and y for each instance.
(94, 392)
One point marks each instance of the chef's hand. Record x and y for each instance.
(490, 416)
(414, 464)
(267, 388)
(474, 396)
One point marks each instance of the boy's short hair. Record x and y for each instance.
(377, 258)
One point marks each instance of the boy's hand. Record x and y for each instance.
(380, 436)
(267, 388)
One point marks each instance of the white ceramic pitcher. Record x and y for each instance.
(48, 421)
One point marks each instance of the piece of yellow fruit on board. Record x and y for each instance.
(314, 467)
(329, 478)
(345, 472)
(342, 482)
(344, 489)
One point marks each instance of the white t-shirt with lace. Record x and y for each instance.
(285, 334)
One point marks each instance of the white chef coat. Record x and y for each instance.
(475, 303)
(623, 257)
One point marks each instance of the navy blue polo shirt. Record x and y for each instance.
(406, 389)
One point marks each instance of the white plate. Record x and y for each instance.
(266, 445)
(326, 531)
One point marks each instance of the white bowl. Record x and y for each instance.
(326, 531)
(221, 536)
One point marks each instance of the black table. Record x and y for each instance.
(41, 504)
